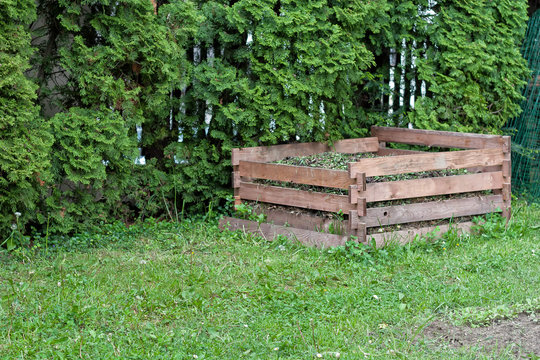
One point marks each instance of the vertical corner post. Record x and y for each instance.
(507, 178)
(236, 176)
(357, 197)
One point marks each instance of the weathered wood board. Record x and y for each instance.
(432, 210)
(403, 164)
(405, 236)
(269, 232)
(296, 174)
(279, 152)
(445, 139)
(294, 197)
(395, 190)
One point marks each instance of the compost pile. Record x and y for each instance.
(340, 161)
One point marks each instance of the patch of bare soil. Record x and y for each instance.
(520, 334)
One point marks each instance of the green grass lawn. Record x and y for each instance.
(185, 291)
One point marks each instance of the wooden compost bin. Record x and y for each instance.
(486, 158)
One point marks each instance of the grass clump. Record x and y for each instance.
(187, 290)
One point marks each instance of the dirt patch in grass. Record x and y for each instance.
(520, 334)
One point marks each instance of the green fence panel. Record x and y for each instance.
(525, 129)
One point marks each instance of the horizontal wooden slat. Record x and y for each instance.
(299, 218)
(324, 240)
(436, 138)
(403, 164)
(433, 210)
(433, 186)
(392, 152)
(296, 174)
(293, 197)
(405, 236)
(353, 146)
(278, 152)
(269, 232)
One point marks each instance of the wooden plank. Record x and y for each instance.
(269, 232)
(235, 177)
(296, 174)
(507, 178)
(405, 236)
(383, 151)
(293, 197)
(354, 221)
(353, 146)
(278, 152)
(445, 139)
(300, 219)
(395, 190)
(507, 195)
(236, 186)
(403, 164)
(433, 210)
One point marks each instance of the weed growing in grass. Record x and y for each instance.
(359, 254)
(336, 226)
(15, 238)
(246, 211)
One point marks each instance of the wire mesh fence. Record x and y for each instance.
(525, 129)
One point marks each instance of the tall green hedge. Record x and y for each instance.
(122, 62)
(281, 71)
(201, 77)
(473, 68)
(24, 136)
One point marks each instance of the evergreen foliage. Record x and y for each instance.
(271, 72)
(24, 136)
(218, 74)
(473, 68)
(122, 66)
(92, 165)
